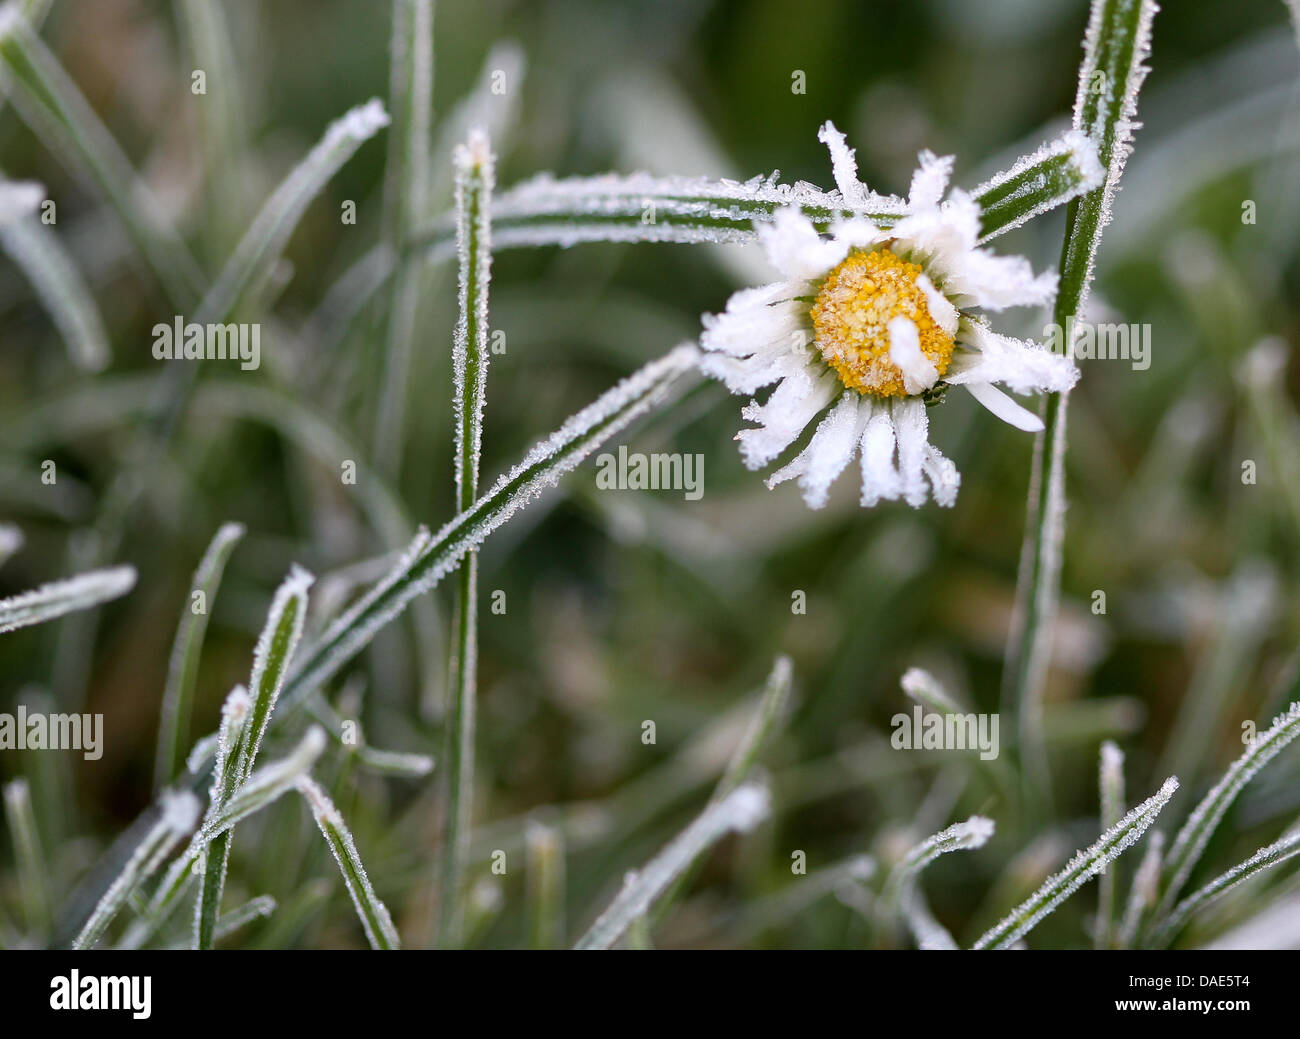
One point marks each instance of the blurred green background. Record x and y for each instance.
(627, 606)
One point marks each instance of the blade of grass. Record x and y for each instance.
(900, 897)
(375, 919)
(27, 855)
(258, 251)
(1118, 41)
(50, 103)
(1195, 834)
(641, 208)
(271, 658)
(1276, 853)
(242, 916)
(430, 558)
(545, 885)
(183, 665)
(1085, 864)
(741, 810)
(180, 811)
(410, 98)
(1144, 891)
(470, 356)
(60, 597)
(1111, 785)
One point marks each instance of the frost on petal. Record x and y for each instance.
(1018, 364)
(795, 248)
(929, 182)
(912, 427)
(919, 372)
(829, 452)
(1004, 407)
(997, 282)
(760, 338)
(942, 237)
(944, 478)
(880, 479)
(945, 315)
(860, 233)
(785, 414)
(844, 164)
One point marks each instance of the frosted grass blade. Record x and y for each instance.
(430, 558)
(180, 811)
(27, 855)
(406, 175)
(59, 597)
(473, 164)
(37, 252)
(1117, 42)
(1190, 843)
(900, 895)
(1111, 786)
(1144, 891)
(259, 250)
(925, 689)
(242, 916)
(1085, 864)
(641, 208)
(183, 665)
(378, 925)
(741, 810)
(1273, 855)
(1057, 172)
(268, 783)
(222, 135)
(50, 103)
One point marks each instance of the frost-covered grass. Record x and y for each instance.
(517, 709)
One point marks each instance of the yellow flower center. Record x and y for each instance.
(851, 319)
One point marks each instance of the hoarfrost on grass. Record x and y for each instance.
(1085, 865)
(60, 597)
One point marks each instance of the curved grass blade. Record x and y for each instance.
(180, 811)
(1144, 891)
(741, 810)
(262, 244)
(1085, 864)
(59, 597)
(1190, 843)
(50, 103)
(37, 252)
(1276, 853)
(27, 855)
(900, 895)
(183, 665)
(375, 919)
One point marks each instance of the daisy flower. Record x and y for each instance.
(870, 325)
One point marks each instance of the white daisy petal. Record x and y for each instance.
(828, 453)
(912, 426)
(997, 282)
(945, 315)
(880, 479)
(943, 476)
(795, 248)
(1004, 407)
(844, 164)
(785, 414)
(1020, 365)
(919, 372)
(929, 182)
